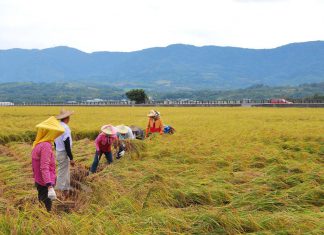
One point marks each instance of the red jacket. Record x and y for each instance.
(154, 126)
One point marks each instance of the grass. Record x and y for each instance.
(225, 171)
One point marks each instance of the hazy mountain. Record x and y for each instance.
(177, 66)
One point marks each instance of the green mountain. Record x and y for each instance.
(64, 92)
(256, 92)
(182, 67)
(56, 92)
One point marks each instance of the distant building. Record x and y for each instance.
(6, 104)
(167, 101)
(94, 101)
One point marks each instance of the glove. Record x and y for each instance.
(51, 194)
(120, 154)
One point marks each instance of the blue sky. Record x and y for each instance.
(129, 25)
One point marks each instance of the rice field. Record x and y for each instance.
(224, 171)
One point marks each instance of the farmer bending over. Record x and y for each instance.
(124, 133)
(104, 141)
(138, 132)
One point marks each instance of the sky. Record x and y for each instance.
(130, 25)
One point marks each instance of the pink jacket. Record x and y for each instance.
(103, 142)
(43, 162)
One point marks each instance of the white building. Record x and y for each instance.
(6, 104)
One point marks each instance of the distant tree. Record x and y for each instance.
(137, 95)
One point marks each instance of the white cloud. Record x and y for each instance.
(127, 25)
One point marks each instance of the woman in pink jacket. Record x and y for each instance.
(43, 160)
(104, 141)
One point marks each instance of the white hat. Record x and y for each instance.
(109, 129)
(122, 129)
(153, 113)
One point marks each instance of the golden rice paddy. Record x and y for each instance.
(224, 171)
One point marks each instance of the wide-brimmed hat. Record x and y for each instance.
(122, 129)
(109, 129)
(64, 114)
(153, 113)
(48, 131)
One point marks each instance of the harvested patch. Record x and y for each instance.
(314, 197)
(209, 223)
(291, 147)
(78, 196)
(222, 163)
(296, 170)
(257, 165)
(293, 180)
(277, 183)
(187, 198)
(237, 166)
(78, 177)
(191, 198)
(136, 148)
(245, 176)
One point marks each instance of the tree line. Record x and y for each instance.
(65, 92)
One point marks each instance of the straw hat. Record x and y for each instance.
(153, 113)
(48, 131)
(64, 114)
(109, 129)
(122, 129)
(51, 124)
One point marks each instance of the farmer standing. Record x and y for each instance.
(103, 142)
(63, 145)
(43, 160)
(154, 124)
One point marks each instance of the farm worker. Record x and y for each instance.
(138, 132)
(104, 141)
(154, 123)
(123, 133)
(43, 160)
(63, 146)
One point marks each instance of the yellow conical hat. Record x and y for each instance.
(48, 131)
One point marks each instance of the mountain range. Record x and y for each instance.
(176, 67)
